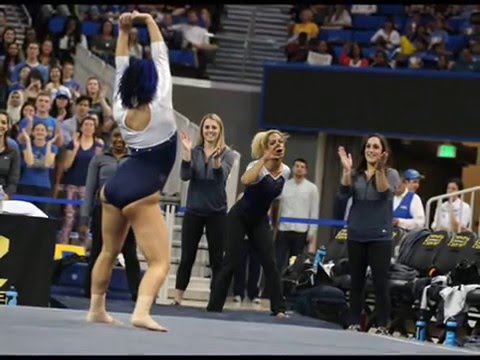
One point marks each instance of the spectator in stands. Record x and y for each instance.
(437, 32)
(29, 36)
(173, 38)
(408, 212)
(34, 85)
(68, 39)
(43, 104)
(299, 199)
(47, 55)
(372, 185)
(297, 51)
(465, 62)
(249, 263)
(351, 55)
(206, 18)
(320, 53)
(100, 104)
(14, 108)
(62, 106)
(100, 169)
(9, 36)
(320, 13)
(388, 34)
(23, 78)
(197, 39)
(207, 167)
(380, 60)
(70, 126)
(339, 18)
(454, 215)
(55, 82)
(37, 160)
(104, 43)
(12, 59)
(475, 50)
(413, 178)
(361, 9)
(27, 112)
(136, 49)
(3, 20)
(80, 151)
(444, 63)
(9, 159)
(306, 25)
(32, 62)
(68, 80)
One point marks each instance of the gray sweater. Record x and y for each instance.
(206, 192)
(10, 170)
(371, 214)
(101, 168)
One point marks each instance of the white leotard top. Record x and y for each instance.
(162, 123)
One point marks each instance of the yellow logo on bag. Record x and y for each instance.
(342, 235)
(476, 245)
(4, 249)
(433, 240)
(459, 241)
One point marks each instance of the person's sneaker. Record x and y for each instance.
(381, 331)
(237, 299)
(256, 300)
(355, 327)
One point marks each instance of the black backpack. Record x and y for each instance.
(464, 273)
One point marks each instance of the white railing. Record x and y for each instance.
(27, 15)
(439, 199)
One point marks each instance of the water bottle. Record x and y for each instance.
(421, 333)
(11, 296)
(2, 198)
(319, 257)
(451, 334)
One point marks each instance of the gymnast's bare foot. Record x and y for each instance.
(146, 322)
(102, 317)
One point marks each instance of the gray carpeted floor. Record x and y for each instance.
(47, 331)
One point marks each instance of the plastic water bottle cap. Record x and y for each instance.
(451, 324)
(421, 323)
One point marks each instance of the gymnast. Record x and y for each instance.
(143, 110)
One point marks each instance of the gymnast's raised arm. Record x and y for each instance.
(159, 56)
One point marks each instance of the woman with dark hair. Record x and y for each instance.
(454, 215)
(144, 112)
(38, 158)
(103, 44)
(80, 151)
(9, 159)
(351, 55)
(9, 36)
(372, 186)
(47, 54)
(101, 168)
(12, 59)
(68, 39)
(264, 180)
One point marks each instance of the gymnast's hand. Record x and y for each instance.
(125, 21)
(218, 152)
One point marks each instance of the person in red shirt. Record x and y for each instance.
(351, 55)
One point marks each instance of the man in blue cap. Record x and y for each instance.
(413, 178)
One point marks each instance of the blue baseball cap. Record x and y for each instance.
(412, 174)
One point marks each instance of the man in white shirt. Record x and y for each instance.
(408, 211)
(388, 34)
(299, 199)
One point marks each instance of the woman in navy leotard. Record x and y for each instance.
(144, 113)
(263, 180)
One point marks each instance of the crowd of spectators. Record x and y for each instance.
(437, 37)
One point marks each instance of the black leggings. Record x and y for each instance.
(377, 255)
(260, 236)
(129, 251)
(192, 231)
